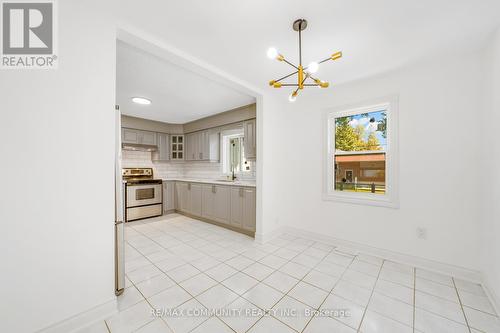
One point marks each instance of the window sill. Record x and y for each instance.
(366, 199)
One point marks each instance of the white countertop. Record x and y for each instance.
(246, 183)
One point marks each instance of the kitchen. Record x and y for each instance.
(188, 144)
(180, 170)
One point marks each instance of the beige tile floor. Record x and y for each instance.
(216, 280)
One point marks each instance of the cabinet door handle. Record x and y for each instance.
(201, 156)
(189, 187)
(241, 192)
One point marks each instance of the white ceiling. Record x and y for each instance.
(375, 36)
(177, 94)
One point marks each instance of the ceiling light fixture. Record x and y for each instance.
(141, 100)
(303, 73)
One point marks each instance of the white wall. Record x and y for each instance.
(439, 106)
(269, 169)
(57, 198)
(490, 233)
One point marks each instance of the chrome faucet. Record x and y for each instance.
(233, 176)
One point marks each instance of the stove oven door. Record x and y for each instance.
(143, 194)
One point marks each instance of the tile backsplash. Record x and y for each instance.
(177, 169)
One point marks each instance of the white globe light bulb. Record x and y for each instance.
(292, 98)
(313, 67)
(272, 53)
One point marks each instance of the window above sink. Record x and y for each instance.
(233, 153)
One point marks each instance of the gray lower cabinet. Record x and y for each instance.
(249, 208)
(189, 198)
(237, 207)
(195, 193)
(215, 199)
(207, 201)
(183, 199)
(243, 208)
(168, 196)
(231, 205)
(222, 199)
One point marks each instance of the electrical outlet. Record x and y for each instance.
(421, 233)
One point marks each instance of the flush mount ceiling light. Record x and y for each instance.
(303, 73)
(141, 100)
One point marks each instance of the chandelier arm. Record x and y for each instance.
(289, 85)
(284, 77)
(288, 62)
(313, 78)
(322, 61)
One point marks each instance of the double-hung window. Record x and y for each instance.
(361, 154)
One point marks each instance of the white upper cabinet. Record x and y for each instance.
(250, 142)
(130, 136)
(148, 138)
(163, 153)
(134, 136)
(202, 146)
(177, 146)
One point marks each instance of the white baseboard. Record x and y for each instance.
(431, 265)
(492, 295)
(263, 238)
(83, 319)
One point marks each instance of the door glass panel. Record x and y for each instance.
(144, 193)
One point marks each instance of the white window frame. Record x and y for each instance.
(391, 196)
(233, 133)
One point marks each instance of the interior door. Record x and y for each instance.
(119, 210)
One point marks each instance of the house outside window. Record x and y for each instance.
(361, 162)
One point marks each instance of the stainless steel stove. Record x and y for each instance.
(143, 194)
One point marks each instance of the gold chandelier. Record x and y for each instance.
(303, 73)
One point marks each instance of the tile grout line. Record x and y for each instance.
(461, 305)
(333, 250)
(211, 235)
(107, 327)
(286, 294)
(145, 298)
(194, 297)
(330, 293)
(267, 254)
(370, 298)
(176, 283)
